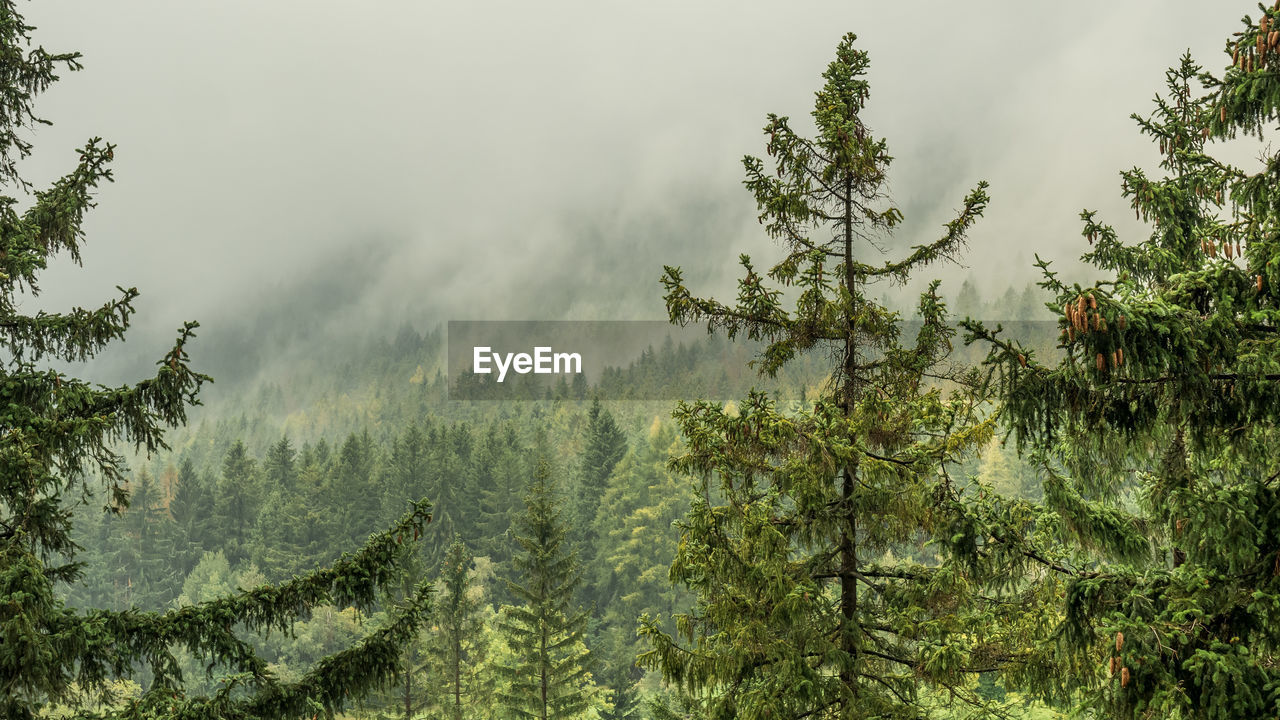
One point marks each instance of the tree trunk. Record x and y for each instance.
(457, 677)
(408, 690)
(848, 539)
(546, 662)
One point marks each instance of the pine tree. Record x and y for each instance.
(410, 695)
(189, 509)
(549, 678)
(448, 454)
(1156, 432)
(968, 301)
(150, 531)
(604, 447)
(458, 645)
(280, 540)
(502, 464)
(801, 609)
(279, 467)
(640, 528)
(406, 470)
(353, 488)
(238, 499)
(638, 540)
(500, 469)
(59, 435)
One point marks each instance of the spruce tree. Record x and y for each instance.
(280, 466)
(238, 499)
(150, 532)
(410, 695)
(501, 467)
(458, 645)
(189, 509)
(353, 488)
(60, 436)
(548, 680)
(1156, 432)
(406, 470)
(280, 540)
(605, 446)
(801, 608)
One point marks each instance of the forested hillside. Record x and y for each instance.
(271, 490)
(860, 492)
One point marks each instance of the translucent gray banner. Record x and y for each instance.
(645, 360)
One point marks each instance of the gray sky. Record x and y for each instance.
(519, 160)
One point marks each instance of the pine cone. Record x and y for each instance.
(1119, 641)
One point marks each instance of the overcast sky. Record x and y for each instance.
(535, 160)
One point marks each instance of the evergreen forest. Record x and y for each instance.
(870, 494)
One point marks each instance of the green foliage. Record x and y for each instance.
(802, 608)
(58, 432)
(238, 498)
(1156, 431)
(280, 467)
(605, 446)
(189, 509)
(548, 679)
(459, 646)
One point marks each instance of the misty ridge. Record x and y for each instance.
(337, 222)
(975, 423)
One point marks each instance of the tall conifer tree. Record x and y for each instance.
(801, 610)
(604, 448)
(58, 432)
(237, 501)
(549, 678)
(458, 645)
(280, 466)
(1157, 430)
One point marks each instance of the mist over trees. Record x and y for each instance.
(922, 508)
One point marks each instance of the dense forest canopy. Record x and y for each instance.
(923, 506)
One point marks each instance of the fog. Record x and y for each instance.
(342, 165)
